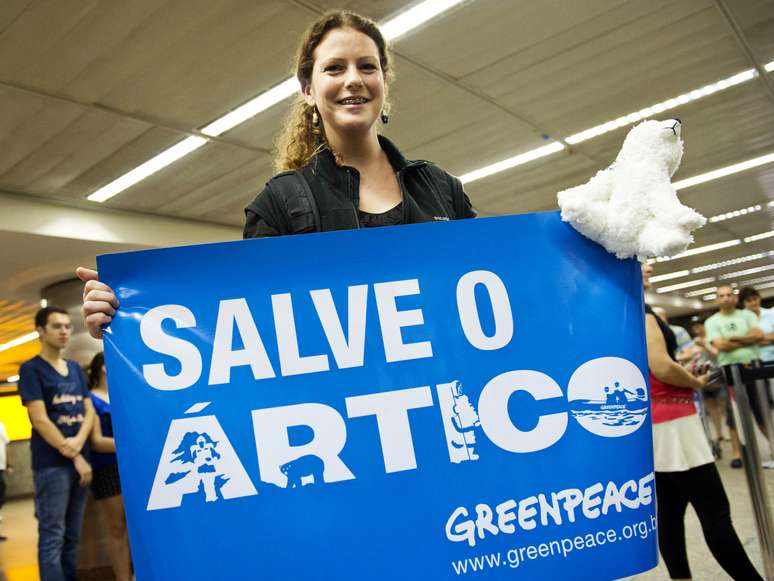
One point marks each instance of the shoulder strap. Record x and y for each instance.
(297, 202)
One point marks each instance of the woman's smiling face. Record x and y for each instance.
(347, 84)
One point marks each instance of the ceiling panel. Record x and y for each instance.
(756, 19)
(488, 32)
(205, 167)
(90, 90)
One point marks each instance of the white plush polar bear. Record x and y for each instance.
(631, 208)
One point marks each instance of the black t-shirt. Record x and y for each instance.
(669, 335)
(63, 397)
(391, 217)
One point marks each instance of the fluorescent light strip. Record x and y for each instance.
(711, 297)
(659, 108)
(514, 161)
(735, 213)
(701, 291)
(769, 67)
(415, 17)
(669, 275)
(731, 262)
(754, 281)
(148, 168)
(250, 109)
(723, 171)
(19, 341)
(700, 250)
(761, 236)
(392, 29)
(682, 285)
(767, 285)
(12, 379)
(740, 273)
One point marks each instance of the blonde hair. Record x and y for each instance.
(299, 140)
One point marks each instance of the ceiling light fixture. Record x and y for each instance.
(759, 280)
(148, 168)
(658, 108)
(723, 171)
(769, 67)
(669, 275)
(414, 17)
(19, 341)
(735, 213)
(12, 379)
(731, 262)
(700, 250)
(740, 273)
(392, 29)
(761, 236)
(701, 291)
(254, 106)
(514, 161)
(682, 285)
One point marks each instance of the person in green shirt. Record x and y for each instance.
(735, 334)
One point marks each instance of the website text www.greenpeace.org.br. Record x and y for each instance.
(561, 548)
(543, 509)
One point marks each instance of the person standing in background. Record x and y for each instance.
(735, 334)
(714, 393)
(4, 467)
(105, 485)
(751, 301)
(54, 390)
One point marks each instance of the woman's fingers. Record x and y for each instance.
(95, 322)
(101, 296)
(98, 306)
(99, 301)
(86, 274)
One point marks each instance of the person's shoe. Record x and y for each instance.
(716, 450)
(2, 538)
(736, 463)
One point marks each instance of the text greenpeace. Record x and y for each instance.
(434, 403)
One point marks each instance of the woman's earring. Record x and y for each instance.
(385, 118)
(315, 118)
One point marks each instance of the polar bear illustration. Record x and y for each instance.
(631, 208)
(309, 465)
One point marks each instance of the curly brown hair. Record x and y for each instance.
(299, 140)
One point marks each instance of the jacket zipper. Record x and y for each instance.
(352, 197)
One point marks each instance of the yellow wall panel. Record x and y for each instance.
(14, 416)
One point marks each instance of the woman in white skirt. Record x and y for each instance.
(685, 468)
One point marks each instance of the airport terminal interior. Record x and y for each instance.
(152, 123)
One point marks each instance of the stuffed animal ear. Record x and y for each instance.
(657, 224)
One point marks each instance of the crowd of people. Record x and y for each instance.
(349, 176)
(685, 371)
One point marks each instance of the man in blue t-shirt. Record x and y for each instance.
(55, 392)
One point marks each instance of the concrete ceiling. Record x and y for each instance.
(91, 89)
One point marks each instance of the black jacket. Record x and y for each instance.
(429, 193)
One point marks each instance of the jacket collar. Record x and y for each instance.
(325, 165)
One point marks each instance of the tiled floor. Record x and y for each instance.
(17, 554)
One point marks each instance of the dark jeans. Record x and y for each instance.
(59, 505)
(701, 486)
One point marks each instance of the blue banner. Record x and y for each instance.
(434, 401)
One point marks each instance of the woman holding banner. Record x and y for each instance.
(683, 460)
(335, 171)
